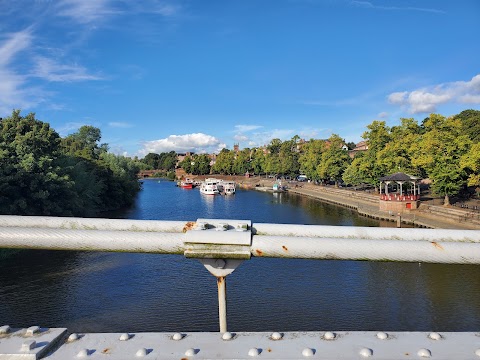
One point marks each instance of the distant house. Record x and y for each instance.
(361, 146)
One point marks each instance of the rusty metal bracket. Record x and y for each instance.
(219, 239)
(221, 246)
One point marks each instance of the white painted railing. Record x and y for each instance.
(266, 240)
(221, 245)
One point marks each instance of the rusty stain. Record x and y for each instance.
(269, 350)
(284, 248)
(188, 226)
(437, 245)
(183, 359)
(220, 279)
(259, 252)
(106, 351)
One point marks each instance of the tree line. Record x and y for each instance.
(445, 150)
(42, 173)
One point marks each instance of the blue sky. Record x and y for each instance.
(197, 75)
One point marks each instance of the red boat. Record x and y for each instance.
(186, 184)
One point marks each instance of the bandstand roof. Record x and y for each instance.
(399, 176)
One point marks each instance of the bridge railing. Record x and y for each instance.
(221, 245)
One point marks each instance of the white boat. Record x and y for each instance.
(227, 187)
(209, 187)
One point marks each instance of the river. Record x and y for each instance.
(118, 292)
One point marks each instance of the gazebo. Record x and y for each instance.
(399, 200)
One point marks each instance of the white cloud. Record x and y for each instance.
(14, 92)
(117, 124)
(197, 142)
(246, 128)
(240, 137)
(371, 5)
(84, 11)
(51, 70)
(427, 99)
(382, 115)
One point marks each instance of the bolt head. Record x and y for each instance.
(190, 352)
(382, 335)
(73, 337)
(177, 336)
(307, 352)
(366, 352)
(124, 337)
(329, 335)
(425, 353)
(83, 353)
(477, 352)
(32, 330)
(141, 352)
(227, 336)
(276, 336)
(5, 329)
(253, 352)
(28, 345)
(435, 336)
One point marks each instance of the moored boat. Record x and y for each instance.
(209, 187)
(186, 184)
(228, 187)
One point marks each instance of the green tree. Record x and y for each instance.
(470, 162)
(311, 157)
(224, 162)
(470, 120)
(334, 160)
(439, 151)
(30, 181)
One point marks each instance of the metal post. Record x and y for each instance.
(222, 303)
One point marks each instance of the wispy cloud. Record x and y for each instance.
(371, 5)
(51, 70)
(85, 12)
(123, 125)
(13, 90)
(89, 12)
(382, 115)
(246, 128)
(427, 99)
(197, 142)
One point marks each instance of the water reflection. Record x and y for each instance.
(101, 292)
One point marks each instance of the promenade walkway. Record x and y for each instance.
(435, 217)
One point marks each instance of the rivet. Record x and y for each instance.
(190, 352)
(28, 345)
(201, 226)
(227, 336)
(5, 329)
(366, 352)
(242, 227)
(424, 353)
(141, 352)
(124, 337)
(307, 352)
(329, 335)
(219, 264)
(382, 335)
(82, 353)
(434, 336)
(177, 336)
(73, 337)
(222, 227)
(276, 336)
(477, 352)
(253, 352)
(32, 330)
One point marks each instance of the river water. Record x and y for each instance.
(118, 292)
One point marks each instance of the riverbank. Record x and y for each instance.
(366, 204)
